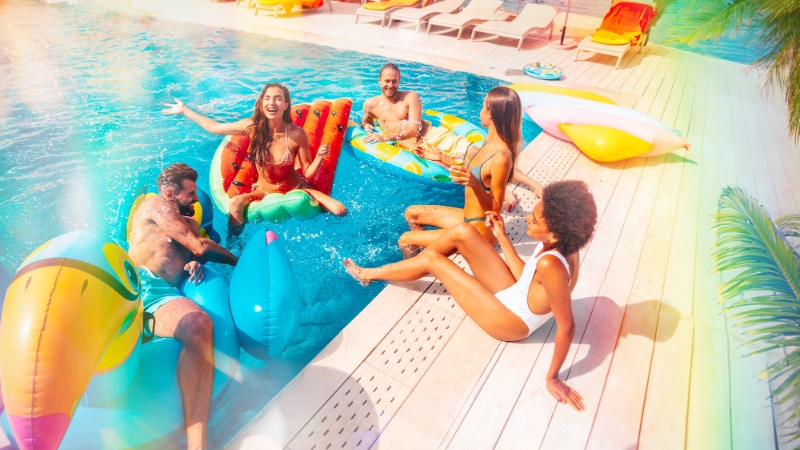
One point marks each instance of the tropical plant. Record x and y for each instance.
(772, 27)
(763, 295)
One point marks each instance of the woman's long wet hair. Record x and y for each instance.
(259, 131)
(506, 109)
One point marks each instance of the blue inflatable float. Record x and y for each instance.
(80, 294)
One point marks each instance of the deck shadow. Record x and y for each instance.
(637, 318)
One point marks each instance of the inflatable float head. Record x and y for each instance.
(72, 311)
(265, 300)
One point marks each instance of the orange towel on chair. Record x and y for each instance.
(288, 5)
(625, 23)
(383, 6)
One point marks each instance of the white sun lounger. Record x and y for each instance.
(534, 18)
(478, 11)
(587, 45)
(386, 13)
(421, 15)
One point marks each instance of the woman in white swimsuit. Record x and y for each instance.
(510, 299)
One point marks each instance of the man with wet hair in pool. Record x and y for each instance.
(164, 245)
(399, 113)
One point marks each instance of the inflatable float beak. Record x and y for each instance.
(71, 311)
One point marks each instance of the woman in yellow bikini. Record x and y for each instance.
(484, 175)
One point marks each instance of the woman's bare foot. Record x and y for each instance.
(355, 272)
(510, 200)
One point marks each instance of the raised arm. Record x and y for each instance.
(555, 280)
(309, 166)
(208, 124)
(532, 184)
(514, 262)
(166, 215)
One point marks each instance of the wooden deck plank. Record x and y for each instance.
(618, 76)
(619, 416)
(665, 409)
(708, 423)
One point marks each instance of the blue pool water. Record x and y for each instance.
(81, 94)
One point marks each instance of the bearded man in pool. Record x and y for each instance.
(164, 245)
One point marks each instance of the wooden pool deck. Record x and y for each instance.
(653, 357)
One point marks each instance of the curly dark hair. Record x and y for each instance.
(570, 213)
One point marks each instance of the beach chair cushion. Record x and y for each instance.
(383, 6)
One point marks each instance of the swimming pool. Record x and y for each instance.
(80, 123)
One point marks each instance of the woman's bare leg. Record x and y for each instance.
(477, 299)
(327, 202)
(238, 206)
(446, 245)
(487, 266)
(418, 216)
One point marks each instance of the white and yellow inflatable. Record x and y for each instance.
(599, 128)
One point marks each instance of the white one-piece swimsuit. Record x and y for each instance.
(515, 297)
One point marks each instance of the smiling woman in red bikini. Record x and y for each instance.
(275, 146)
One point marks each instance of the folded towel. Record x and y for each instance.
(288, 5)
(625, 23)
(383, 6)
(447, 141)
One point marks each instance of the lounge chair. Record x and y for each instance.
(478, 11)
(421, 15)
(278, 6)
(626, 25)
(383, 10)
(534, 18)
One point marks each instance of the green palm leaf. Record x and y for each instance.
(763, 296)
(772, 26)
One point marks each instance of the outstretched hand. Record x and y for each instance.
(565, 394)
(174, 108)
(511, 200)
(374, 137)
(195, 270)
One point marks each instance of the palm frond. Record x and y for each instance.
(763, 295)
(713, 19)
(789, 225)
(772, 26)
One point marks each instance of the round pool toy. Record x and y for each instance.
(543, 71)
(74, 303)
(266, 313)
(602, 130)
(203, 213)
(391, 157)
(233, 172)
